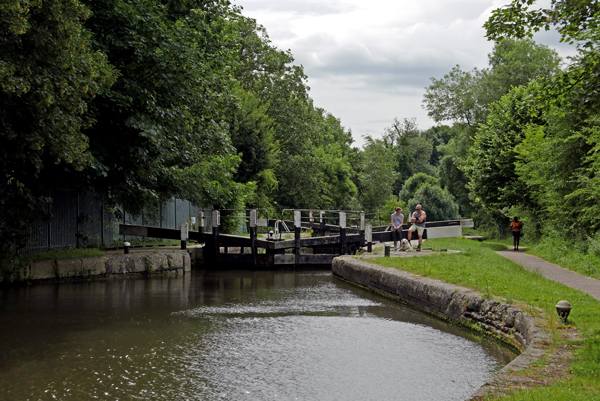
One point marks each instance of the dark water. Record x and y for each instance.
(231, 336)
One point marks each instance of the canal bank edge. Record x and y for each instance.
(462, 305)
(52, 270)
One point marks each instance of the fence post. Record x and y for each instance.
(322, 221)
(253, 224)
(297, 231)
(184, 235)
(342, 221)
(369, 237)
(216, 222)
(361, 228)
(201, 221)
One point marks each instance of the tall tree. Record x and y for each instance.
(376, 174)
(160, 130)
(48, 75)
(411, 148)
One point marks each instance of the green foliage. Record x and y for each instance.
(438, 203)
(515, 62)
(491, 164)
(376, 175)
(412, 185)
(455, 97)
(252, 136)
(64, 254)
(48, 75)
(390, 205)
(412, 150)
(580, 256)
(160, 130)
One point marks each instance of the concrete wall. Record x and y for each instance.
(100, 267)
(458, 304)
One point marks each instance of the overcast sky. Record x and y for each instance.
(368, 61)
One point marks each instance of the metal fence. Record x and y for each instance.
(85, 220)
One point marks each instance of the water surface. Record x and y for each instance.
(234, 335)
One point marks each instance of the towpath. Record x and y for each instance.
(554, 272)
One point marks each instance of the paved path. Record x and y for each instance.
(554, 272)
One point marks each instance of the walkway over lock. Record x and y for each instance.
(328, 236)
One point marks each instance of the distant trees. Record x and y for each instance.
(477, 165)
(553, 152)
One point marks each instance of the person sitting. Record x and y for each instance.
(397, 222)
(418, 219)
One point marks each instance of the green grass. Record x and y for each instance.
(560, 253)
(65, 254)
(478, 267)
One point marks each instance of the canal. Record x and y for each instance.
(232, 335)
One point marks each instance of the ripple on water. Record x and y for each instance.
(286, 336)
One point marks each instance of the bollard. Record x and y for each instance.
(184, 230)
(388, 247)
(126, 246)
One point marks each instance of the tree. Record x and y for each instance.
(411, 148)
(253, 137)
(468, 97)
(412, 185)
(455, 97)
(160, 128)
(515, 62)
(438, 203)
(578, 23)
(557, 159)
(376, 174)
(490, 167)
(48, 75)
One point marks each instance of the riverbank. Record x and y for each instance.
(569, 366)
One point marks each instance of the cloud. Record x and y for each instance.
(368, 62)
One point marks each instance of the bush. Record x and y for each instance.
(438, 203)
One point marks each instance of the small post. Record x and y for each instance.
(184, 235)
(126, 246)
(342, 220)
(253, 233)
(201, 222)
(387, 248)
(297, 230)
(322, 221)
(216, 222)
(369, 237)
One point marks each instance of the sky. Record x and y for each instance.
(369, 61)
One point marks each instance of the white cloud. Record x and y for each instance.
(370, 61)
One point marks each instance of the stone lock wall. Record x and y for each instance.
(98, 267)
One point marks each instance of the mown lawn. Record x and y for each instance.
(477, 266)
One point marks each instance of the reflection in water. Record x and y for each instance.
(229, 336)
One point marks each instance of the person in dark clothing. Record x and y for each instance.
(516, 226)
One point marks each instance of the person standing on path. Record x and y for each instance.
(516, 226)
(418, 219)
(397, 222)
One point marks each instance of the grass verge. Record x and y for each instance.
(560, 253)
(65, 254)
(478, 267)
